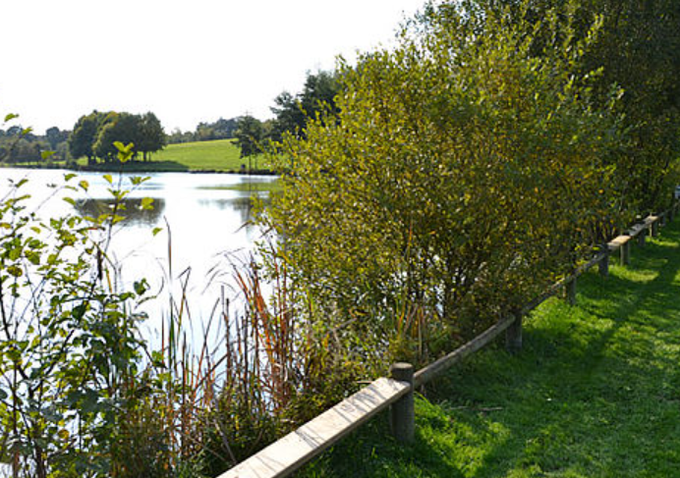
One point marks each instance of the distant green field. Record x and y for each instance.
(219, 155)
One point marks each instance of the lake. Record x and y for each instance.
(204, 220)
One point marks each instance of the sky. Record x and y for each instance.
(187, 61)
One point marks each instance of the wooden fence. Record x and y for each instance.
(289, 453)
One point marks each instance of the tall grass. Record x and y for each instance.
(255, 373)
(91, 396)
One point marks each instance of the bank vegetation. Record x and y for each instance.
(456, 176)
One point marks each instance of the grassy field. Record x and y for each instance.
(594, 393)
(218, 156)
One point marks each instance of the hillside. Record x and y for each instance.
(209, 156)
(218, 155)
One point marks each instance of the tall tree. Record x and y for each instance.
(82, 139)
(249, 136)
(123, 127)
(55, 136)
(317, 96)
(635, 46)
(152, 138)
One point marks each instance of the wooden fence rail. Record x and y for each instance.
(289, 453)
(295, 449)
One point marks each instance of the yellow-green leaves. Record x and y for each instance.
(125, 152)
(463, 173)
(146, 204)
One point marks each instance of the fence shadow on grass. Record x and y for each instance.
(596, 390)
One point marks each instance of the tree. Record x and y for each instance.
(123, 127)
(317, 97)
(82, 139)
(225, 128)
(152, 137)
(55, 136)
(461, 177)
(289, 115)
(249, 136)
(204, 132)
(636, 48)
(94, 134)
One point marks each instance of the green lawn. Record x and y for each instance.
(594, 393)
(218, 155)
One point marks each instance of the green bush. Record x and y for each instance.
(464, 175)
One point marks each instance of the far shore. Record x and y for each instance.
(217, 156)
(138, 167)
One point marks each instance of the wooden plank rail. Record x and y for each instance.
(295, 449)
(288, 454)
(426, 374)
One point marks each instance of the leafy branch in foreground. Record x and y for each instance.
(69, 349)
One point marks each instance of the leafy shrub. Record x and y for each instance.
(465, 174)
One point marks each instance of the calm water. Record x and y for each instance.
(203, 222)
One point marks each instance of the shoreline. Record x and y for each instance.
(139, 167)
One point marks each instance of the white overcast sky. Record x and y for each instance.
(185, 60)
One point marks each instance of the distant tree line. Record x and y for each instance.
(291, 114)
(94, 134)
(20, 145)
(220, 129)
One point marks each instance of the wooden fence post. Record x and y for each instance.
(641, 237)
(655, 228)
(571, 291)
(513, 334)
(625, 253)
(402, 413)
(604, 263)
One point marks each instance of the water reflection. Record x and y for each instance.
(202, 217)
(130, 209)
(244, 205)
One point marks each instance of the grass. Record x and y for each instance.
(219, 155)
(210, 156)
(594, 393)
(206, 156)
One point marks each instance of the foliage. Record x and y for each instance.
(82, 139)
(637, 48)
(249, 136)
(94, 134)
(220, 129)
(463, 170)
(152, 138)
(82, 394)
(317, 97)
(69, 353)
(22, 145)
